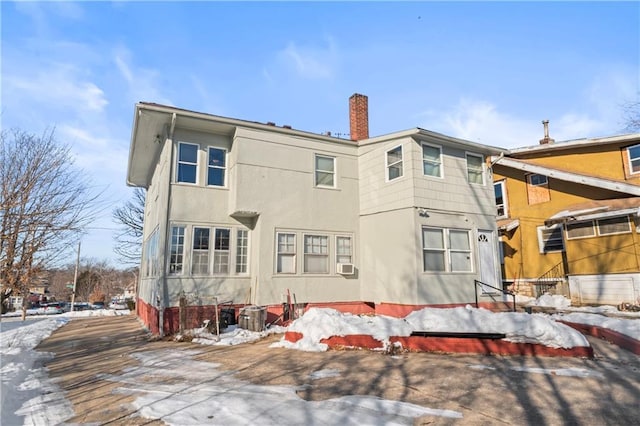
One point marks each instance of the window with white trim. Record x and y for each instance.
(221, 250)
(537, 180)
(176, 256)
(343, 249)
(614, 225)
(394, 163)
(242, 249)
(634, 158)
(316, 254)
(325, 171)
(217, 167)
(576, 230)
(187, 163)
(431, 160)
(550, 239)
(286, 253)
(446, 250)
(200, 251)
(475, 169)
(500, 190)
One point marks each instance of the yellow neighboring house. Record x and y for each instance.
(568, 215)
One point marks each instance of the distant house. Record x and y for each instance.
(248, 213)
(568, 218)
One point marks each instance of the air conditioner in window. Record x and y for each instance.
(345, 268)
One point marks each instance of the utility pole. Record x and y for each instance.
(75, 278)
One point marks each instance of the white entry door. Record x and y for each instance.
(487, 256)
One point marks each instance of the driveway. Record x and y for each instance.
(90, 352)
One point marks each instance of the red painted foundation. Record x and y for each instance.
(451, 345)
(619, 339)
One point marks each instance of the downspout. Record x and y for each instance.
(161, 303)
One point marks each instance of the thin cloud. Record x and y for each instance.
(310, 62)
(481, 121)
(142, 83)
(56, 85)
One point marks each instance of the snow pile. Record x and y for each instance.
(627, 327)
(322, 323)
(27, 397)
(233, 335)
(546, 300)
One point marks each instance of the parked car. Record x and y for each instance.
(51, 308)
(97, 305)
(117, 305)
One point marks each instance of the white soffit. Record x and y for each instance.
(597, 182)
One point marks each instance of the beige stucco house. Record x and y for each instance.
(251, 213)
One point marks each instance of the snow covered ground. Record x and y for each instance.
(29, 397)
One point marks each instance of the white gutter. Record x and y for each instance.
(611, 185)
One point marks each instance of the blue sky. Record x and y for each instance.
(484, 71)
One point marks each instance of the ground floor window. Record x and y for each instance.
(176, 255)
(317, 253)
(446, 250)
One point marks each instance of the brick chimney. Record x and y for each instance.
(546, 138)
(359, 117)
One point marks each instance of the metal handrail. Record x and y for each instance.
(503, 291)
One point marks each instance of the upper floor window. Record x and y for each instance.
(499, 188)
(537, 189)
(187, 167)
(431, 160)
(325, 171)
(550, 239)
(634, 158)
(537, 180)
(217, 167)
(176, 257)
(475, 169)
(394, 163)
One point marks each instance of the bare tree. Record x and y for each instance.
(130, 217)
(632, 116)
(45, 203)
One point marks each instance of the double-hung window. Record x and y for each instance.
(316, 254)
(325, 171)
(200, 252)
(187, 167)
(343, 250)
(501, 199)
(242, 246)
(446, 250)
(217, 167)
(431, 160)
(634, 158)
(176, 257)
(475, 172)
(286, 253)
(394, 163)
(221, 246)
